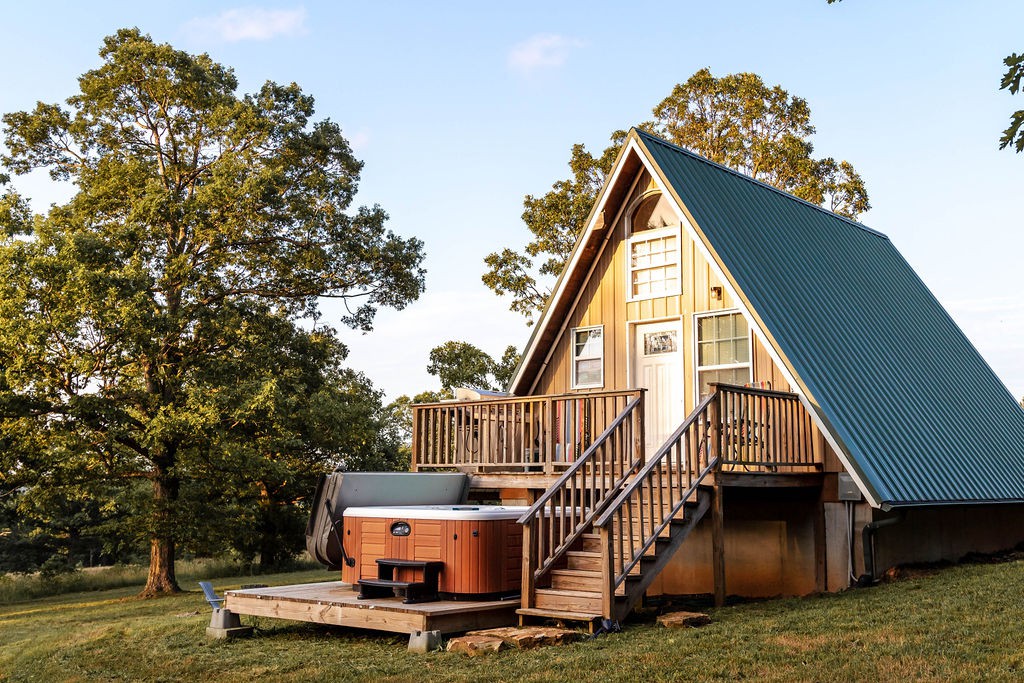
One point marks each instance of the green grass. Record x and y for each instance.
(21, 587)
(962, 623)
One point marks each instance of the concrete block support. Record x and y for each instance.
(225, 624)
(424, 641)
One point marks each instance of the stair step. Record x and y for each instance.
(416, 564)
(588, 560)
(568, 600)
(581, 579)
(576, 579)
(583, 559)
(415, 591)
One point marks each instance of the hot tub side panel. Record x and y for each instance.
(480, 556)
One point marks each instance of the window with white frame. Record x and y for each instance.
(723, 350)
(653, 249)
(588, 357)
(654, 265)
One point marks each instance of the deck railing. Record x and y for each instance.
(512, 434)
(765, 431)
(567, 509)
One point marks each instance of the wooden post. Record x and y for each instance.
(820, 543)
(607, 573)
(638, 434)
(415, 439)
(718, 544)
(529, 562)
(549, 459)
(717, 503)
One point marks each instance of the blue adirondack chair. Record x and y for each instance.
(211, 597)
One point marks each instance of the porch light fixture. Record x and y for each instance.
(716, 293)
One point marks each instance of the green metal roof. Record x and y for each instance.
(921, 416)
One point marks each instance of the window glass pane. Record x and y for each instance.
(706, 354)
(588, 372)
(704, 328)
(588, 343)
(725, 354)
(742, 347)
(741, 325)
(725, 327)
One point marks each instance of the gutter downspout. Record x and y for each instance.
(868, 541)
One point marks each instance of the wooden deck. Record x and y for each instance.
(335, 602)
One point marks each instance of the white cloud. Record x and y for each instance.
(249, 23)
(542, 51)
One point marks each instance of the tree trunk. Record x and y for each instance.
(161, 578)
(271, 552)
(161, 568)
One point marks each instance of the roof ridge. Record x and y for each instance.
(744, 176)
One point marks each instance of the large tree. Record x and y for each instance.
(204, 225)
(736, 120)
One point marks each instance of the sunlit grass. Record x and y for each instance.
(962, 623)
(20, 587)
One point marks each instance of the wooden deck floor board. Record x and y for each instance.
(335, 602)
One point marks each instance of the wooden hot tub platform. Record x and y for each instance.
(334, 602)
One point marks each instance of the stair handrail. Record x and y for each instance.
(654, 464)
(534, 566)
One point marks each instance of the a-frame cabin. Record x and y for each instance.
(733, 390)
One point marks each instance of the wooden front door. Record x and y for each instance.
(658, 367)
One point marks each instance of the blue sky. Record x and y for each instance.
(460, 109)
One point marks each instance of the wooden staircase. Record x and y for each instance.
(576, 591)
(596, 540)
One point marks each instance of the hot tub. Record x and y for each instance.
(481, 545)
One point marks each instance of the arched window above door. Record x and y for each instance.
(653, 258)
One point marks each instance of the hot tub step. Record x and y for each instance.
(385, 584)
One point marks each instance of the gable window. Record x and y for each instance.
(588, 357)
(723, 350)
(654, 265)
(653, 249)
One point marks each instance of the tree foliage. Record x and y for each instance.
(555, 220)
(764, 132)
(149, 327)
(1013, 135)
(735, 120)
(461, 364)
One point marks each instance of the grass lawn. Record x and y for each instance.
(963, 623)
